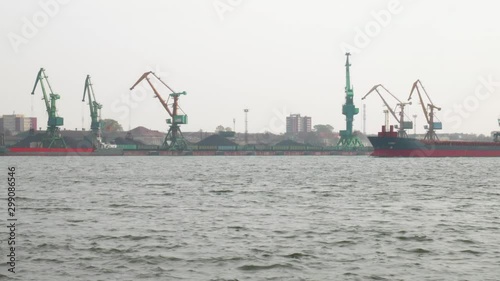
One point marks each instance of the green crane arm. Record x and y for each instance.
(86, 90)
(348, 86)
(93, 104)
(39, 78)
(50, 105)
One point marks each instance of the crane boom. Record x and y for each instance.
(422, 103)
(401, 119)
(428, 110)
(94, 106)
(375, 88)
(52, 137)
(174, 139)
(162, 101)
(50, 101)
(40, 76)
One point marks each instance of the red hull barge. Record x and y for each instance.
(38, 151)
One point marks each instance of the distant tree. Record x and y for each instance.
(323, 128)
(228, 129)
(110, 125)
(312, 138)
(219, 128)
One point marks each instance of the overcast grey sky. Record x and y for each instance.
(274, 57)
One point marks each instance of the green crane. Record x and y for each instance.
(95, 112)
(348, 141)
(52, 138)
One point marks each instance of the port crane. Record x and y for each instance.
(52, 137)
(428, 111)
(403, 125)
(347, 139)
(174, 139)
(95, 114)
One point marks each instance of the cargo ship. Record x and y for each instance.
(389, 144)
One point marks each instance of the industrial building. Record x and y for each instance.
(17, 123)
(298, 124)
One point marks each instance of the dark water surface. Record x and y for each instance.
(254, 218)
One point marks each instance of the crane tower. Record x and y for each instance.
(347, 139)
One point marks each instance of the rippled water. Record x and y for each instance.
(255, 218)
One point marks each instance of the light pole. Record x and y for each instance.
(246, 125)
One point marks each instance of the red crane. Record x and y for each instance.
(174, 139)
(401, 119)
(428, 111)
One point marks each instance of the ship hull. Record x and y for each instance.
(409, 147)
(38, 151)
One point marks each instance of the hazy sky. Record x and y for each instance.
(274, 57)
